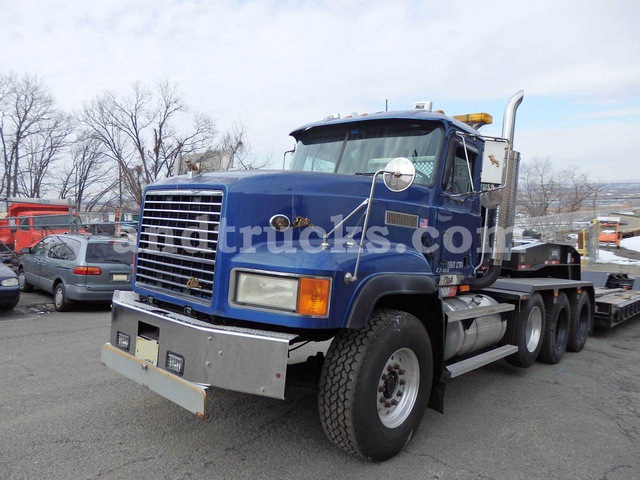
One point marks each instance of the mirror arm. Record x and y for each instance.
(284, 156)
(469, 194)
(401, 164)
(325, 243)
(352, 277)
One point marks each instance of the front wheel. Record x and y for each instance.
(375, 385)
(25, 286)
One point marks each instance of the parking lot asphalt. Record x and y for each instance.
(63, 415)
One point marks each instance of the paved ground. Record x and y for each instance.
(63, 416)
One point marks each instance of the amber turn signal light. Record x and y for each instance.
(313, 296)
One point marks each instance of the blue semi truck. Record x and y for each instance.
(389, 236)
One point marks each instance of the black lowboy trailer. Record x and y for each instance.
(542, 267)
(617, 297)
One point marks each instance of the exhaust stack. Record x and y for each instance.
(505, 213)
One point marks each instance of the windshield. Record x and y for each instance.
(367, 148)
(113, 252)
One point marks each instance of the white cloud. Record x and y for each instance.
(607, 152)
(281, 64)
(615, 113)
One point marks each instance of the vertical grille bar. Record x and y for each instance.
(179, 243)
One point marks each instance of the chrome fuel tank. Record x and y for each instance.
(482, 332)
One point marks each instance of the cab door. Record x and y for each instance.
(459, 211)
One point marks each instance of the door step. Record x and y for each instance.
(464, 366)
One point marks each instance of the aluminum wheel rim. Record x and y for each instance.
(22, 279)
(398, 387)
(534, 328)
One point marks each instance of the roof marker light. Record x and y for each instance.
(475, 120)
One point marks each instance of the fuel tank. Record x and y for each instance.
(481, 331)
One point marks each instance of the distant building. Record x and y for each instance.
(211, 161)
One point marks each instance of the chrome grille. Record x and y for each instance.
(179, 242)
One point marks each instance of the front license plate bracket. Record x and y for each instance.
(147, 350)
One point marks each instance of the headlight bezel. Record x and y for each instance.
(234, 284)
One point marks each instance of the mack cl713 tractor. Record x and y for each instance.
(390, 236)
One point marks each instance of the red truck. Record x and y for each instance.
(28, 220)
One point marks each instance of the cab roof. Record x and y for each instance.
(419, 115)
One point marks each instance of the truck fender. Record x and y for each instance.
(382, 285)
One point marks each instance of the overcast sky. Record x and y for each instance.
(276, 65)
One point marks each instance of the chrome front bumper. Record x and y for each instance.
(232, 358)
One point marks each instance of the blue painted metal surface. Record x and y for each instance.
(252, 197)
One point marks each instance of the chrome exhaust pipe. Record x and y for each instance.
(505, 213)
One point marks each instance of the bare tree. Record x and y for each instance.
(234, 143)
(32, 131)
(42, 149)
(538, 188)
(87, 176)
(138, 133)
(549, 196)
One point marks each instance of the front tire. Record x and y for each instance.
(25, 286)
(375, 385)
(60, 300)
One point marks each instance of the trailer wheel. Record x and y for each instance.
(375, 385)
(25, 286)
(557, 324)
(525, 329)
(580, 322)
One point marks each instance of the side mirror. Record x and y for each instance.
(399, 174)
(491, 198)
(25, 250)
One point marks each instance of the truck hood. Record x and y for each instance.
(253, 197)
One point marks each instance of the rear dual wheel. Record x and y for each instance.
(375, 385)
(580, 322)
(525, 329)
(557, 327)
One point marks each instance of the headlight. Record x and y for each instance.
(267, 291)
(10, 282)
(301, 295)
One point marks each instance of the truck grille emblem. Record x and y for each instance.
(193, 283)
(301, 222)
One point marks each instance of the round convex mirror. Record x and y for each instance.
(400, 174)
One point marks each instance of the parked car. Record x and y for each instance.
(9, 288)
(77, 267)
